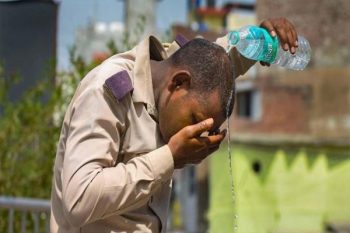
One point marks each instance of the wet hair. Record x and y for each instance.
(211, 70)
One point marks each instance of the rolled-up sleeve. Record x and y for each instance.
(239, 62)
(94, 185)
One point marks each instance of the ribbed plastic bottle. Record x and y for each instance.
(257, 44)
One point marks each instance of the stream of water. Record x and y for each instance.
(229, 155)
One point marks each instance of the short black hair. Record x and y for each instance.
(210, 67)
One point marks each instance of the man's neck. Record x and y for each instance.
(158, 72)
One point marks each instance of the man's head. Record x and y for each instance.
(199, 84)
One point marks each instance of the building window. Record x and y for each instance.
(248, 103)
(244, 104)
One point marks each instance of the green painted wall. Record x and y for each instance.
(292, 190)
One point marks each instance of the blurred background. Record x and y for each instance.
(290, 130)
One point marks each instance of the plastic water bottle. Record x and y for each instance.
(257, 44)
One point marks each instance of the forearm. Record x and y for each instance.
(115, 190)
(240, 63)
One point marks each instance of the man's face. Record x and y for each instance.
(181, 109)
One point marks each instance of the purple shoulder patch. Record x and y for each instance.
(180, 40)
(119, 84)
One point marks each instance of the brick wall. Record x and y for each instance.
(314, 102)
(284, 109)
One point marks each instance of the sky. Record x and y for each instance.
(77, 13)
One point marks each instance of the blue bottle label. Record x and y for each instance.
(270, 44)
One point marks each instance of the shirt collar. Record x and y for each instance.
(148, 49)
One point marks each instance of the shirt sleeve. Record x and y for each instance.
(95, 186)
(240, 64)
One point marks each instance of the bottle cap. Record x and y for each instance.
(233, 37)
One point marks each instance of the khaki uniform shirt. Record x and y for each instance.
(112, 170)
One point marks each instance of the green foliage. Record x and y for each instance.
(30, 128)
(27, 139)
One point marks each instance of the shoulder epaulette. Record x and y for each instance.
(119, 85)
(181, 40)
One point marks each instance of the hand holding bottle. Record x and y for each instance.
(270, 44)
(284, 30)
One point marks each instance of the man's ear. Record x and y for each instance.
(180, 80)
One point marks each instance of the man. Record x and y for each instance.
(136, 118)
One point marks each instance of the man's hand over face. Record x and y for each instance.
(189, 147)
(285, 31)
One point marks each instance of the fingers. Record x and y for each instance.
(199, 128)
(291, 36)
(267, 24)
(291, 41)
(211, 140)
(202, 156)
(188, 146)
(285, 31)
(294, 35)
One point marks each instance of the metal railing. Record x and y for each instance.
(37, 208)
